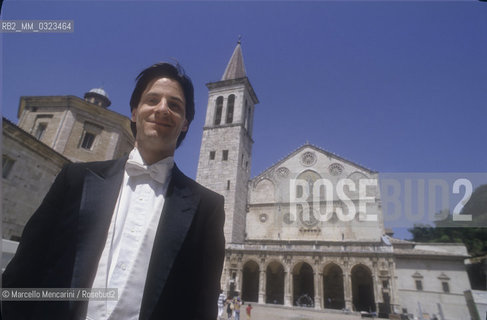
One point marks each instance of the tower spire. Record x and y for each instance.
(235, 67)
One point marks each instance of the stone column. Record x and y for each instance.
(288, 289)
(393, 288)
(230, 281)
(377, 293)
(347, 284)
(224, 110)
(318, 279)
(238, 280)
(262, 286)
(224, 281)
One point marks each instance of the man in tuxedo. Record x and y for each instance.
(136, 224)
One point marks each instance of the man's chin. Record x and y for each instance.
(155, 139)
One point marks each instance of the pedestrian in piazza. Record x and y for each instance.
(221, 304)
(229, 305)
(248, 311)
(236, 308)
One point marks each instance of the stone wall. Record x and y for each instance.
(432, 299)
(34, 168)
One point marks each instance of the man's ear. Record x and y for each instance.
(185, 126)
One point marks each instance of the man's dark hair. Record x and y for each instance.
(164, 70)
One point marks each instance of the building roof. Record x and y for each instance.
(235, 68)
(308, 145)
(30, 142)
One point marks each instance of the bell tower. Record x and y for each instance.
(226, 147)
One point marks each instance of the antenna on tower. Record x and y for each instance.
(239, 39)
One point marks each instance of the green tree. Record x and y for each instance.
(474, 238)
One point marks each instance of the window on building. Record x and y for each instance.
(385, 284)
(299, 191)
(218, 110)
(7, 164)
(89, 137)
(246, 123)
(230, 106)
(88, 140)
(225, 155)
(228, 184)
(212, 155)
(41, 128)
(40, 125)
(249, 119)
(419, 285)
(445, 286)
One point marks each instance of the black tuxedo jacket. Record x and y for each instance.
(63, 241)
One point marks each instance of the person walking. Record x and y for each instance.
(229, 309)
(221, 304)
(248, 311)
(236, 308)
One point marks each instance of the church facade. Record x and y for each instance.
(294, 239)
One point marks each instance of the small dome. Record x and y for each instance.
(99, 97)
(99, 91)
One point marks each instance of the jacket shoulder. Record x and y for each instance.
(102, 168)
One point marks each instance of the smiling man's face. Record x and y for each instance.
(160, 117)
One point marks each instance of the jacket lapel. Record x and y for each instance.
(100, 193)
(177, 215)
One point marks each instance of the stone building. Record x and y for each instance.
(80, 129)
(29, 168)
(287, 245)
(53, 131)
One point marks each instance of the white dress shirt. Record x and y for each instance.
(126, 255)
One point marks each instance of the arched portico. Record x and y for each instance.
(333, 290)
(362, 289)
(275, 283)
(303, 285)
(250, 281)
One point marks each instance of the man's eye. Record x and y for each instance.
(152, 101)
(175, 106)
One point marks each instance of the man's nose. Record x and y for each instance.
(163, 106)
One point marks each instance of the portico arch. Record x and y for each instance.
(250, 281)
(303, 285)
(362, 289)
(333, 293)
(275, 283)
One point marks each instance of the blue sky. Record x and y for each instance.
(394, 86)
